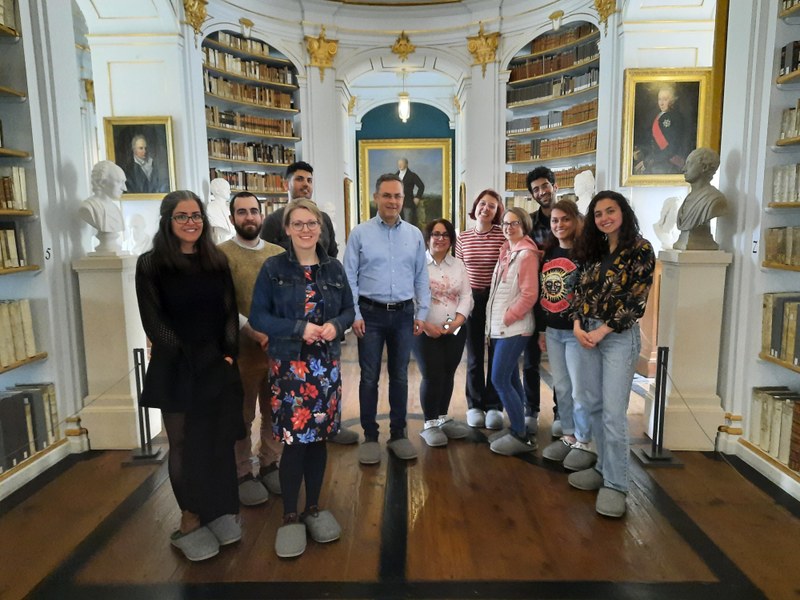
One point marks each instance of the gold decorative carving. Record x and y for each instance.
(403, 46)
(196, 13)
(351, 105)
(483, 47)
(605, 8)
(457, 104)
(321, 52)
(246, 26)
(88, 87)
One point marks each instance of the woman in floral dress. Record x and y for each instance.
(303, 302)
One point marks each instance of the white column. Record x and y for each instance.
(690, 325)
(484, 118)
(111, 330)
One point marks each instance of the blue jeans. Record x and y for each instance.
(603, 386)
(395, 329)
(505, 376)
(563, 354)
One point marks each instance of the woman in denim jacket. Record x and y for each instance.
(303, 302)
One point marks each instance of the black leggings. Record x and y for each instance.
(298, 462)
(202, 465)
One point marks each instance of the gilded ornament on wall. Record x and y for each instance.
(457, 104)
(351, 106)
(195, 11)
(321, 52)
(403, 46)
(605, 8)
(483, 47)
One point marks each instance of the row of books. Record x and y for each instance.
(240, 43)
(233, 120)
(248, 180)
(551, 148)
(565, 178)
(250, 151)
(28, 422)
(779, 323)
(537, 67)
(790, 122)
(562, 38)
(783, 246)
(241, 92)
(775, 424)
(790, 58)
(562, 86)
(13, 248)
(786, 183)
(13, 189)
(217, 59)
(17, 341)
(8, 15)
(579, 113)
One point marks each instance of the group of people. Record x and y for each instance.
(256, 322)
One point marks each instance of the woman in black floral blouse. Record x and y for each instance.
(610, 297)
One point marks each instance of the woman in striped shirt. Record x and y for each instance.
(479, 249)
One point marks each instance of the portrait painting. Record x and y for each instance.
(142, 147)
(665, 118)
(424, 168)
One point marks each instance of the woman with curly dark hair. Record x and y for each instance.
(610, 297)
(188, 310)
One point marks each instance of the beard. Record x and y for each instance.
(248, 232)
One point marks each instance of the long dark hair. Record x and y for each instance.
(167, 247)
(592, 244)
(571, 209)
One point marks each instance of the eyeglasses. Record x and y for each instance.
(298, 225)
(184, 218)
(510, 224)
(439, 235)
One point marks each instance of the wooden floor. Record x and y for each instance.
(458, 522)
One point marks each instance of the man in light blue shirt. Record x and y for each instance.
(386, 267)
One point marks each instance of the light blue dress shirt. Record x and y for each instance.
(386, 263)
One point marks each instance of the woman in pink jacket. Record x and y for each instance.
(510, 323)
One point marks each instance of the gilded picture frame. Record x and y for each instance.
(665, 117)
(429, 158)
(142, 147)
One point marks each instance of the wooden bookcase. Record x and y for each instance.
(251, 114)
(778, 209)
(551, 101)
(20, 282)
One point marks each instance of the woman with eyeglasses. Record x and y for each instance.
(510, 323)
(303, 302)
(479, 249)
(438, 351)
(610, 298)
(188, 310)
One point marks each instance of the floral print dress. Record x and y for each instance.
(306, 393)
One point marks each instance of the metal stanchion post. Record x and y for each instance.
(656, 455)
(144, 454)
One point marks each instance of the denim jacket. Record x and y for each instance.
(279, 302)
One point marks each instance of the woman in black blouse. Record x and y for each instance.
(188, 309)
(610, 297)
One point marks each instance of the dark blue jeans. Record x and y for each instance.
(480, 392)
(395, 329)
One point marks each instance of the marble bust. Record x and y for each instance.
(584, 189)
(703, 203)
(101, 210)
(219, 212)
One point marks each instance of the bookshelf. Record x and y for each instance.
(551, 102)
(778, 282)
(251, 114)
(24, 305)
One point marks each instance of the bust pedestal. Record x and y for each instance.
(111, 330)
(690, 324)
